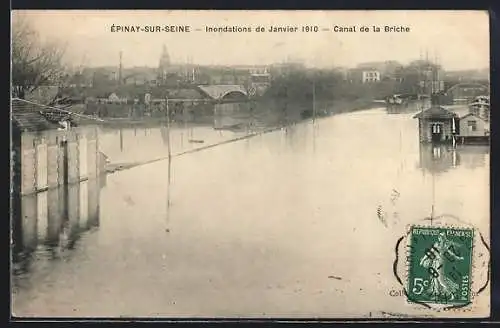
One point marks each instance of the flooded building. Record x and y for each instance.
(49, 150)
(473, 129)
(436, 124)
(473, 125)
(440, 125)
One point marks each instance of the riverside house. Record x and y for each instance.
(440, 125)
(436, 125)
(473, 128)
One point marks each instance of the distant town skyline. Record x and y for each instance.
(457, 40)
(155, 67)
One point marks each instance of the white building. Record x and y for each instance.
(370, 76)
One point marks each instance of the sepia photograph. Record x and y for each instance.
(276, 164)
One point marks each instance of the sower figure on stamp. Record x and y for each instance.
(434, 260)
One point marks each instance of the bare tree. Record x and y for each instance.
(34, 63)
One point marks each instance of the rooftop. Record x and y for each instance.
(460, 110)
(472, 114)
(479, 103)
(437, 112)
(30, 116)
(134, 92)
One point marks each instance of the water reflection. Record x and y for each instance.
(195, 127)
(169, 183)
(315, 132)
(242, 118)
(121, 139)
(441, 158)
(47, 224)
(165, 135)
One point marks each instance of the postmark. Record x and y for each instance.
(440, 265)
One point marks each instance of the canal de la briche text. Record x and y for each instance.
(386, 28)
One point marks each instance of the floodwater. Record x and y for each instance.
(129, 145)
(282, 224)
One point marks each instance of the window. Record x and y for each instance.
(472, 125)
(436, 128)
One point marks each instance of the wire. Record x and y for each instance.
(59, 109)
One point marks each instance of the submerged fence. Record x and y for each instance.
(47, 159)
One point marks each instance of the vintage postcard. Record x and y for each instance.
(250, 164)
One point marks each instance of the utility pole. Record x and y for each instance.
(314, 99)
(435, 77)
(168, 127)
(120, 76)
(426, 66)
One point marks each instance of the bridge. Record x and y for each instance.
(224, 92)
(469, 86)
(463, 92)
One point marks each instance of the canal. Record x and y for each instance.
(282, 224)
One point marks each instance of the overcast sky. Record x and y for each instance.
(460, 39)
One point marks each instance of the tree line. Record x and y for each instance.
(34, 62)
(325, 85)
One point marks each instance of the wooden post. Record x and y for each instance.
(52, 161)
(55, 216)
(73, 164)
(169, 179)
(83, 173)
(29, 222)
(73, 208)
(28, 163)
(41, 167)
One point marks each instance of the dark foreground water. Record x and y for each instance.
(283, 224)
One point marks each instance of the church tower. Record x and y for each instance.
(163, 65)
